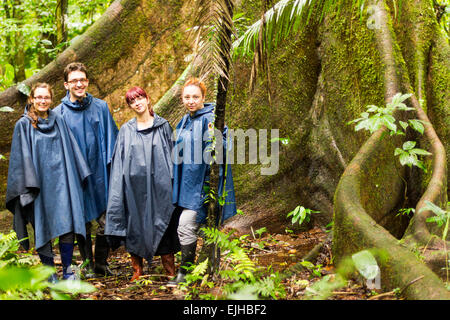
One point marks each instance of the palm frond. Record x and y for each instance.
(214, 22)
(276, 24)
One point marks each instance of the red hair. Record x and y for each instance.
(137, 92)
(196, 82)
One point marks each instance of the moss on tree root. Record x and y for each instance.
(355, 225)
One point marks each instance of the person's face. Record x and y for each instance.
(41, 100)
(192, 98)
(139, 105)
(76, 84)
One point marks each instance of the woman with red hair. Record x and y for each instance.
(140, 210)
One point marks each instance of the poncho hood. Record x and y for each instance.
(207, 107)
(43, 125)
(157, 122)
(77, 105)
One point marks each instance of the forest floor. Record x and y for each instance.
(273, 252)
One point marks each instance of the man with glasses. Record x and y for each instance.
(94, 129)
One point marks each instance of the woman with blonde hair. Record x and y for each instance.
(45, 180)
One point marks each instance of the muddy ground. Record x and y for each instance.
(279, 251)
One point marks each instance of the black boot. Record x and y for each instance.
(187, 259)
(101, 256)
(85, 248)
(48, 261)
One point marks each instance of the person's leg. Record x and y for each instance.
(66, 250)
(46, 255)
(85, 247)
(168, 262)
(138, 266)
(170, 244)
(187, 233)
(101, 249)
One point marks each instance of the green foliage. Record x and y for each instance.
(22, 279)
(239, 274)
(28, 28)
(441, 217)
(382, 116)
(260, 231)
(316, 269)
(405, 211)
(408, 155)
(362, 262)
(9, 244)
(324, 288)
(301, 214)
(366, 264)
(376, 117)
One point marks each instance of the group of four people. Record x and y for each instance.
(71, 165)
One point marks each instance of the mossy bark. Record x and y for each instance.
(355, 225)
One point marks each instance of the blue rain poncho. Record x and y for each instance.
(140, 196)
(45, 177)
(191, 172)
(95, 131)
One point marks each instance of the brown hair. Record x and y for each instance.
(195, 82)
(31, 110)
(74, 66)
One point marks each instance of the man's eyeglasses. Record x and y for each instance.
(75, 81)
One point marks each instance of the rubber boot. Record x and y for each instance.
(138, 266)
(101, 256)
(187, 258)
(85, 247)
(168, 262)
(48, 261)
(66, 250)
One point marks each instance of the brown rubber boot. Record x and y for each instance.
(168, 262)
(138, 266)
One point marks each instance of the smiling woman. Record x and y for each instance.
(45, 178)
(40, 101)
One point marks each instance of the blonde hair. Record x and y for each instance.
(31, 110)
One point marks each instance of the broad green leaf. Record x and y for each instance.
(6, 109)
(46, 42)
(417, 125)
(432, 207)
(73, 286)
(366, 264)
(389, 123)
(399, 151)
(371, 108)
(404, 125)
(420, 152)
(22, 87)
(408, 145)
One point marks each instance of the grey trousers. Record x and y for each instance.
(187, 227)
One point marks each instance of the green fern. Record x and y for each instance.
(270, 287)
